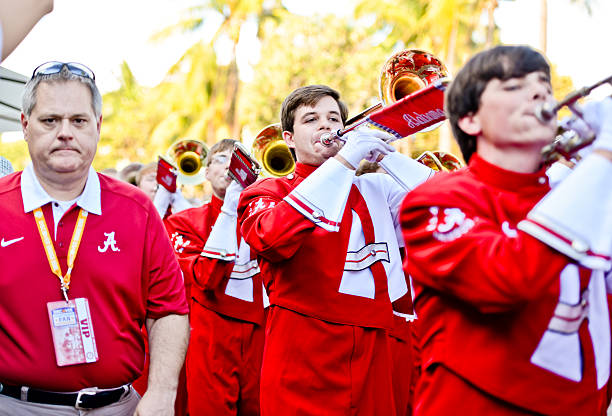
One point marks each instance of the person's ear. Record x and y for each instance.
(289, 139)
(24, 126)
(470, 124)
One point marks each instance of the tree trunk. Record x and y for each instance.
(543, 25)
(491, 6)
(445, 139)
(233, 83)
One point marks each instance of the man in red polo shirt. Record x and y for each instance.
(226, 297)
(86, 262)
(329, 249)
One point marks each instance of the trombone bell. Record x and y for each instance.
(188, 155)
(408, 71)
(440, 161)
(189, 163)
(273, 153)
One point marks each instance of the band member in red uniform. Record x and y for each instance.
(509, 274)
(402, 336)
(329, 249)
(226, 292)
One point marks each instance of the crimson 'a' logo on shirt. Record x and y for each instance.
(109, 243)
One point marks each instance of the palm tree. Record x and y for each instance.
(443, 27)
(225, 89)
(586, 4)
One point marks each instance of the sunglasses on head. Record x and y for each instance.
(55, 67)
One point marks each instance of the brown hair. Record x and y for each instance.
(220, 146)
(500, 62)
(310, 96)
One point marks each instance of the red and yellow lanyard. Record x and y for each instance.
(75, 241)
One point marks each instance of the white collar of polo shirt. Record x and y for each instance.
(34, 195)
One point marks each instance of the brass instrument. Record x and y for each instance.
(440, 161)
(569, 140)
(188, 156)
(272, 152)
(404, 73)
(408, 71)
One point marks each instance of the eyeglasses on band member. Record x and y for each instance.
(55, 67)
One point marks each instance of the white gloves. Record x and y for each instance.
(162, 200)
(179, 203)
(598, 115)
(578, 125)
(230, 202)
(365, 143)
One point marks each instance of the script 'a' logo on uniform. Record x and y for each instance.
(179, 242)
(110, 242)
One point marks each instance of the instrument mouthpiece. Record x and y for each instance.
(327, 139)
(545, 112)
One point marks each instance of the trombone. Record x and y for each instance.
(569, 140)
(188, 156)
(404, 73)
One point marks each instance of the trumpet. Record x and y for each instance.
(271, 150)
(188, 156)
(403, 74)
(570, 139)
(271, 157)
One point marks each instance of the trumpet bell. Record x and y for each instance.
(188, 156)
(273, 153)
(408, 71)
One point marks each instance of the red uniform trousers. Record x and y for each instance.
(404, 364)
(223, 364)
(329, 369)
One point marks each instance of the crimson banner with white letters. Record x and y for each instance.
(413, 113)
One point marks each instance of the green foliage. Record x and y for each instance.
(319, 50)
(16, 152)
(201, 99)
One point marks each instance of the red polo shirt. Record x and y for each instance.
(125, 267)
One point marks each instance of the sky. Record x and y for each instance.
(102, 34)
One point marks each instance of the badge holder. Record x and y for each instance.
(73, 335)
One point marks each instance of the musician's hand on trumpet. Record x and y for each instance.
(230, 201)
(364, 143)
(598, 116)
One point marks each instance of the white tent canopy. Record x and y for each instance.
(11, 89)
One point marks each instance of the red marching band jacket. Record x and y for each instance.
(211, 281)
(509, 314)
(303, 265)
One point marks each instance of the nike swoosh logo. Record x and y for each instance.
(9, 242)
